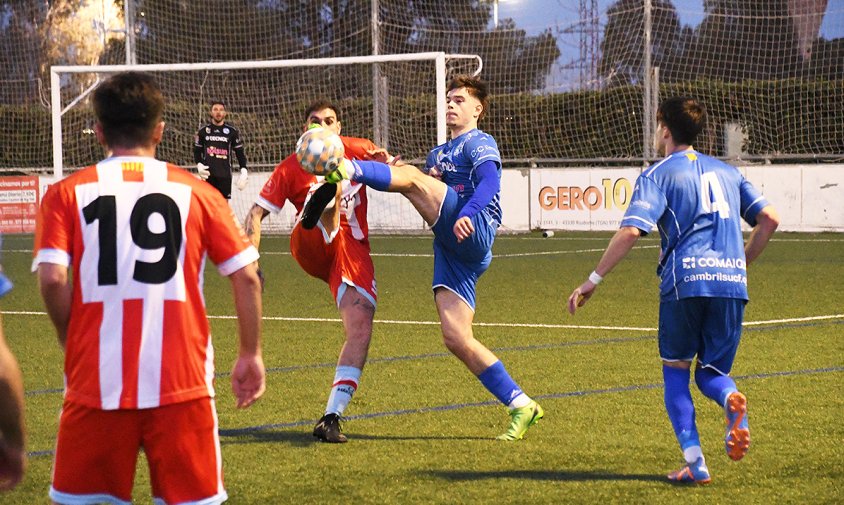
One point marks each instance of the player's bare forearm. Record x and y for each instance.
(620, 244)
(57, 293)
(246, 288)
(767, 222)
(248, 375)
(252, 224)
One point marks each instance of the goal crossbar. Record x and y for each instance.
(56, 71)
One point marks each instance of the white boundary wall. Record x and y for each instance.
(809, 198)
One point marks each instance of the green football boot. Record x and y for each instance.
(520, 420)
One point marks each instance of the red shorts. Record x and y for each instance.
(97, 452)
(344, 261)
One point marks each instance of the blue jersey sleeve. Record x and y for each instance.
(482, 148)
(647, 205)
(489, 184)
(752, 202)
(431, 160)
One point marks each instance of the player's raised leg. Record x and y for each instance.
(426, 193)
(721, 335)
(319, 209)
(722, 389)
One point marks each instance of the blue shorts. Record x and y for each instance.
(709, 328)
(457, 267)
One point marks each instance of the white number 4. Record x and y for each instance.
(712, 196)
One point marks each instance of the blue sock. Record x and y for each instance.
(678, 403)
(499, 383)
(374, 174)
(714, 385)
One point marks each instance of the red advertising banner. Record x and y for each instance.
(18, 204)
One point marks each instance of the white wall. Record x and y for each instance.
(809, 198)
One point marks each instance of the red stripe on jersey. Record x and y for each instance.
(82, 367)
(133, 311)
(183, 380)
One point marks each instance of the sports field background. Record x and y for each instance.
(422, 429)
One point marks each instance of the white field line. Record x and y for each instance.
(498, 239)
(491, 325)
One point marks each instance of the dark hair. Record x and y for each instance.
(684, 117)
(475, 87)
(217, 102)
(320, 104)
(128, 107)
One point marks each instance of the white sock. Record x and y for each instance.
(345, 384)
(691, 454)
(520, 401)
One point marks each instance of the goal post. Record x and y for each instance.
(266, 102)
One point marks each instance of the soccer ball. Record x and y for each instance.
(319, 151)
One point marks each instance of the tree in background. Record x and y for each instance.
(622, 48)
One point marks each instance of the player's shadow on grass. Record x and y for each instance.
(294, 438)
(302, 439)
(545, 475)
(361, 436)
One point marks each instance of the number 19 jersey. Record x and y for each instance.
(136, 233)
(697, 202)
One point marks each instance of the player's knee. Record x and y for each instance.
(455, 341)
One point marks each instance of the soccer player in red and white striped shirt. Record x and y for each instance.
(336, 251)
(139, 363)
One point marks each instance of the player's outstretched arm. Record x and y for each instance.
(767, 221)
(620, 244)
(57, 293)
(12, 432)
(252, 224)
(248, 374)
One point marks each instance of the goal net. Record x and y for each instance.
(395, 100)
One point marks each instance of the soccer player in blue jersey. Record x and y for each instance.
(697, 203)
(458, 195)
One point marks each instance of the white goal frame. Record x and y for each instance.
(56, 72)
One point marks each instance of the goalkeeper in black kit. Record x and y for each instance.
(212, 152)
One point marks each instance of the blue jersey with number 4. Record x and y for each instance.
(457, 160)
(697, 202)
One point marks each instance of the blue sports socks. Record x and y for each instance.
(714, 385)
(681, 411)
(345, 384)
(374, 174)
(502, 386)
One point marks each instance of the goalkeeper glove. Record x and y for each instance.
(202, 171)
(241, 181)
